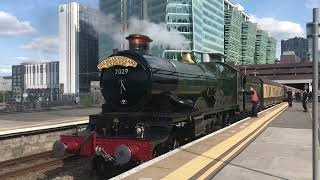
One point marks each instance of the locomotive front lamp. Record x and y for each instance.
(139, 130)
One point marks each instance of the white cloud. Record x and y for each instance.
(11, 26)
(29, 60)
(5, 71)
(312, 3)
(47, 45)
(279, 29)
(23, 58)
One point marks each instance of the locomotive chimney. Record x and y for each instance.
(139, 42)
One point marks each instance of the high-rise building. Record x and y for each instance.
(156, 10)
(36, 80)
(234, 17)
(249, 33)
(232, 36)
(42, 79)
(243, 42)
(271, 50)
(78, 50)
(5, 83)
(208, 28)
(213, 29)
(200, 22)
(261, 47)
(121, 11)
(18, 87)
(228, 5)
(289, 57)
(299, 45)
(42, 75)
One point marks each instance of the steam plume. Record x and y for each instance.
(157, 32)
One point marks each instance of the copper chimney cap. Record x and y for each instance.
(139, 42)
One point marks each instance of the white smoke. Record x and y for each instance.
(107, 24)
(157, 32)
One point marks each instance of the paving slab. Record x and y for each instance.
(282, 151)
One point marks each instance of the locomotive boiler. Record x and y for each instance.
(153, 105)
(135, 81)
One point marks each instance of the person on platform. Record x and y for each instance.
(290, 98)
(254, 100)
(305, 100)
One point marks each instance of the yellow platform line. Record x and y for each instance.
(235, 150)
(195, 165)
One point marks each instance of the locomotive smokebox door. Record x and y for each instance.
(125, 80)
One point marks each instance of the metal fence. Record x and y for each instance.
(91, 99)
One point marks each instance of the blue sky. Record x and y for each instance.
(29, 31)
(29, 28)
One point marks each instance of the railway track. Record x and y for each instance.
(32, 163)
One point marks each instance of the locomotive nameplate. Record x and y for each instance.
(116, 61)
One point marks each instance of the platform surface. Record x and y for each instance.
(203, 158)
(14, 121)
(282, 151)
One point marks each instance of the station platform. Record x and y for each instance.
(276, 145)
(12, 123)
(282, 151)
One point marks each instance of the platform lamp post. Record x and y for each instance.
(313, 32)
(245, 69)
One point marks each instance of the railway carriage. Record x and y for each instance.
(269, 92)
(272, 93)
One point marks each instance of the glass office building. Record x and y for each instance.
(261, 47)
(78, 48)
(271, 50)
(208, 25)
(122, 11)
(232, 33)
(201, 22)
(249, 33)
(179, 17)
(156, 10)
